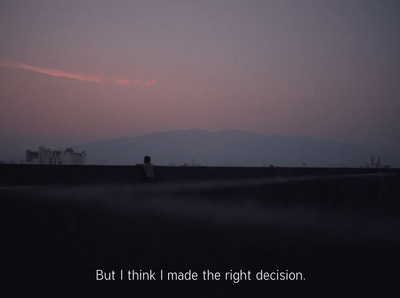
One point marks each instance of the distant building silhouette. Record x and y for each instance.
(45, 156)
(73, 158)
(32, 157)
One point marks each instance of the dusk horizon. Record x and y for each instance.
(218, 148)
(74, 72)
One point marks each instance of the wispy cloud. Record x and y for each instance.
(71, 75)
(122, 81)
(149, 83)
(51, 71)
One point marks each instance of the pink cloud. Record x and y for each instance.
(51, 71)
(122, 81)
(149, 83)
(71, 75)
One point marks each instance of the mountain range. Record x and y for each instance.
(232, 148)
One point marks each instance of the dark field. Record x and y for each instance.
(340, 231)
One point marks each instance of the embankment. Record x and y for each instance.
(50, 174)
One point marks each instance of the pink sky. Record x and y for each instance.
(72, 72)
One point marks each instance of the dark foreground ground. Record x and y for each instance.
(340, 232)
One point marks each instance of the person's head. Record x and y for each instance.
(147, 159)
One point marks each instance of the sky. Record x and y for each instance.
(79, 71)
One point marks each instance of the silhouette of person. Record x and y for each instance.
(148, 168)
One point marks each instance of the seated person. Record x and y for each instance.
(148, 168)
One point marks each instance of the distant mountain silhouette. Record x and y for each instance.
(231, 148)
